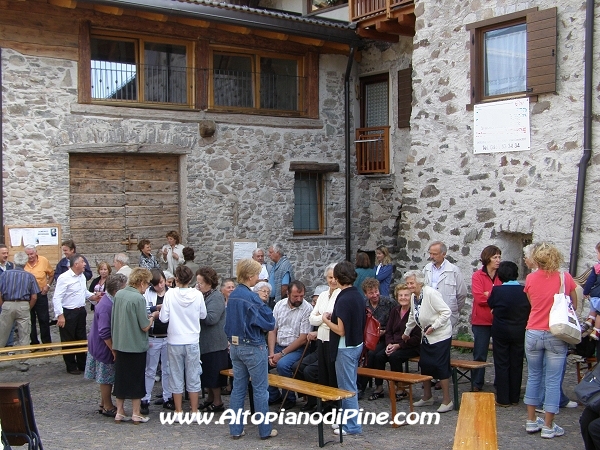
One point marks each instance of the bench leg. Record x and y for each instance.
(320, 426)
(410, 398)
(455, 388)
(392, 390)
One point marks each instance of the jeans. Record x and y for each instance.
(346, 364)
(545, 362)
(481, 336)
(250, 361)
(157, 351)
(284, 368)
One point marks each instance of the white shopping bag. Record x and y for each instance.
(563, 319)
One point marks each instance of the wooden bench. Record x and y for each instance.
(587, 364)
(322, 393)
(461, 368)
(405, 380)
(42, 350)
(466, 344)
(476, 425)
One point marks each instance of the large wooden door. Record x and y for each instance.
(118, 199)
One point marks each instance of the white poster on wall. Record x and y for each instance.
(241, 249)
(501, 126)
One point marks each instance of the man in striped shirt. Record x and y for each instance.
(18, 294)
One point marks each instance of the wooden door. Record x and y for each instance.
(118, 199)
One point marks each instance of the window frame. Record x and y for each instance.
(139, 39)
(541, 33)
(256, 80)
(320, 206)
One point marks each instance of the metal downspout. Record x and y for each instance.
(348, 140)
(2, 237)
(587, 136)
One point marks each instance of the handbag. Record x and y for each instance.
(563, 319)
(371, 334)
(588, 389)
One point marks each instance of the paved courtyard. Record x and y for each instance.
(65, 410)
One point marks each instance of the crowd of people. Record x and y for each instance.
(170, 316)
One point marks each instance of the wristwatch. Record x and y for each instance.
(283, 352)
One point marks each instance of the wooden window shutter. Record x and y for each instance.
(404, 97)
(541, 52)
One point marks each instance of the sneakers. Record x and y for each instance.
(337, 432)
(571, 404)
(533, 426)
(273, 433)
(446, 408)
(238, 436)
(595, 334)
(423, 402)
(169, 404)
(551, 432)
(145, 408)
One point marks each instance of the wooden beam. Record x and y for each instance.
(372, 34)
(407, 20)
(71, 4)
(393, 27)
(233, 28)
(307, 41)
(84, 83)
(151, 16)
(271, 35)
(339, 47)
(109, 10)
(193, 22)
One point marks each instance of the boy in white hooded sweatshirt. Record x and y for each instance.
(183, 307)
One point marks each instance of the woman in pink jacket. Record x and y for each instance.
(481, 316)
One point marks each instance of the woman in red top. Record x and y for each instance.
(545, 353)
(482, 283)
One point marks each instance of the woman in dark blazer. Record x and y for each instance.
(510, 308)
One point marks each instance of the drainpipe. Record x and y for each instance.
(1, 161)
(348, 140)
(587, 135)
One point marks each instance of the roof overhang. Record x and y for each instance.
(280, 22)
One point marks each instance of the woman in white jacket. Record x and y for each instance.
(429, 312)
(183, 307)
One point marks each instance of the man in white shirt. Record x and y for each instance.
(121, 263)
(69, 308)
(258, 255)
(444, 276)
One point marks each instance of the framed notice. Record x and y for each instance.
(240, 249)
(502, 126)
(47, 239)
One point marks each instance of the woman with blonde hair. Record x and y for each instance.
(129, 325)
(246, 320)
(384, 270)
(545, 353)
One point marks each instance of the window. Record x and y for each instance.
(308, 203)
(372, 138)
(513, 55)
(137, 70)
(250, 81)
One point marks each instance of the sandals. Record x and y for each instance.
(204, 405)
(401, 395)
(376, 395)
(109, 412)
(139, 419)
(121, 418)
(215, 408)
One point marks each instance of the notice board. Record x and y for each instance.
(46, 237)
(241, 249)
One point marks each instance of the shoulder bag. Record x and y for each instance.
(563, 319)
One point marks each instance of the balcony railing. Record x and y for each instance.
(373, 150)
(359, 9)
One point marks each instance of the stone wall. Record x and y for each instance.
(470, 201)
(236, 184)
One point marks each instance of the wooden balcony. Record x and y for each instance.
(383, 20)
(373, 150)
